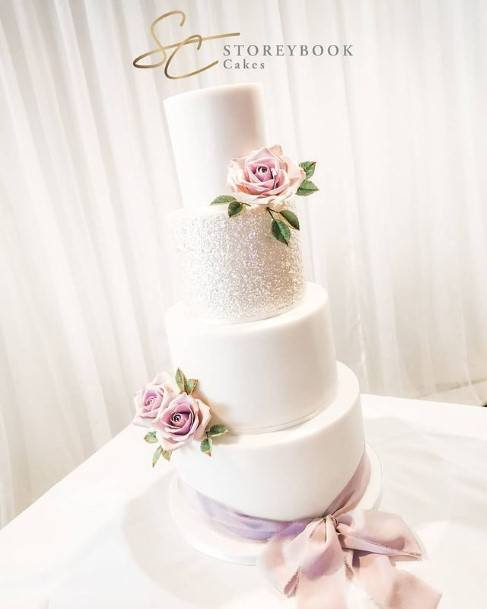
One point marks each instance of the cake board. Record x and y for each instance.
(194, 527)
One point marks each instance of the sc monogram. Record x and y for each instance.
(166, 58)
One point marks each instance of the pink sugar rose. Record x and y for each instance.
(185, 418)
(264, 176)
(152, 399)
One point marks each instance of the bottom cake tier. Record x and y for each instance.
(283, 475)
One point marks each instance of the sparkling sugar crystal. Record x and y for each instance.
(233, 269)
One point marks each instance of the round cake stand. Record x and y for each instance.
(195, 528)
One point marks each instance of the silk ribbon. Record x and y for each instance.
(313, 558)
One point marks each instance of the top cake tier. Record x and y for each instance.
(209, 127)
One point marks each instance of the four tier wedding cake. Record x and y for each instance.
(262, 424)
(252, 331)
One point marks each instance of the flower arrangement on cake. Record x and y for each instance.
(175, 415)
(266, 177)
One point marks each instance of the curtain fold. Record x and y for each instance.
(397, 232)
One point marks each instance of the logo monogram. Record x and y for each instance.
(166, 58)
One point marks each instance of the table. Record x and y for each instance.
(102, 537)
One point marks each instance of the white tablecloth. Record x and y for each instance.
(102, 538)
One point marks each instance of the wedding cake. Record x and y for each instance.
(263, 426)
(252, 331)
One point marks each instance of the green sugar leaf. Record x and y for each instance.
(191, 385)
(156, 456)
(281, 231)
(217, 430)
(234, 208)
(291, 217)
(181, 379)
(308, 167)
(150, 437)
(205, 446)
(222, 200)
(307, 188)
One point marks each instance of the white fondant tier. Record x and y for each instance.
(233, 269)
(208, 128)
(260, 375)
(284, 475)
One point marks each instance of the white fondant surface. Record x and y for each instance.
(260, 375)
(208, 128)
(288, 474)
(233, 269)
(200, 533)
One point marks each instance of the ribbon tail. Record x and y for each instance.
(392, 588)
(310, 566)
(322, 577)
(282, 555)
(377, 532)
(325, 592)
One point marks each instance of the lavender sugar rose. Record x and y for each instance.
(185, 418)
(153, 399)
(267, 178)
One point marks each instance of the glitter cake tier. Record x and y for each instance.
(233, 269)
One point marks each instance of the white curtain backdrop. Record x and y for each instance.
(397, 233)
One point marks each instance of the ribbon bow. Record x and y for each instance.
(313, 563)
(312, 558)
